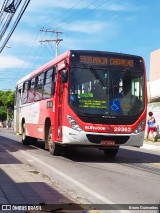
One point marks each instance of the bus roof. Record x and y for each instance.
(44, 67)
(63, 56)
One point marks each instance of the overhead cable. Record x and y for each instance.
(11, 11)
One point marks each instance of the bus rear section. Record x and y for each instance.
(99, 100)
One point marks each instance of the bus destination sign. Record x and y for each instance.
(97, 60)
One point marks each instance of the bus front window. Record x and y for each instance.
(106, 92)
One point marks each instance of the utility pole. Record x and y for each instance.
(57, 40)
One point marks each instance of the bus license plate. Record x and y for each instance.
(107, 142)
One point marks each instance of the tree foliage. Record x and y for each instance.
(6, 103)
(3, 114)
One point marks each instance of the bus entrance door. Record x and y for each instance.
(59, 110)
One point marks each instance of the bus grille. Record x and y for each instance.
(112, 121)
(98, 138)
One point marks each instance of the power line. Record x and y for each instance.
(11, 10)
(57, 40)
(68, 10)
(66, 20)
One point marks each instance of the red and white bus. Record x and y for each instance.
(84, 98)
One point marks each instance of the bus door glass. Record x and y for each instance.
(62, 78)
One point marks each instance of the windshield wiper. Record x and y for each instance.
(97, 76)
(121, 77)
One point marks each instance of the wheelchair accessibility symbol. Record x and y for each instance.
(115, 105)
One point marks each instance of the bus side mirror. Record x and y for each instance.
(64, 76)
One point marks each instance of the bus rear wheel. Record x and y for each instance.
(53, 147)
(111, 152)
(25, 139)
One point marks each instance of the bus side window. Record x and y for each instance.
(48, 83)
(24, 92)
(39, 87)
(31, 90)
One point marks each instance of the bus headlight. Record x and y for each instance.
(73, 123)
(139, 128)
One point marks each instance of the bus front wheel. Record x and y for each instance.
(111, 152)
(53, 147)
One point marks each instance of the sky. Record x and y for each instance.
(125, 26)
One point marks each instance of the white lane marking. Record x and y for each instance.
(73, 181)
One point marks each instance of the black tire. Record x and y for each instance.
(53, 147)
(26, 140)
(111, 152)
(33, 140)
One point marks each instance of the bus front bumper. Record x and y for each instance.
(73, 137)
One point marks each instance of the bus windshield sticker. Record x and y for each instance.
(92, 104)
(115, 105)
(86, 95)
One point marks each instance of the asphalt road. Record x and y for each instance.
(86, 176)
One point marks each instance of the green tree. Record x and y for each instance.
(3, 114)
(6, 104)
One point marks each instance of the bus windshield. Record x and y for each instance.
(106, 91)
